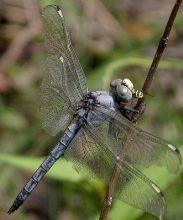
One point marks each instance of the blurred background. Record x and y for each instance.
(113, 39)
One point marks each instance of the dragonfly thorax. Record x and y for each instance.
(92, 99)
(104, 99)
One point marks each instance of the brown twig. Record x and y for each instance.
(112, 185)
(157, 57)
(162, 45)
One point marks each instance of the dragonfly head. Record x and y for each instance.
(122, 89)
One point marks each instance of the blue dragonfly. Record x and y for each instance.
(95, 127)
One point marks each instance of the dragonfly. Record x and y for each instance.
(95, 127)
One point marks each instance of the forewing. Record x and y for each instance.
(134, 145)
(58, 44)
(56, 110)
(91, 154)
(65, 84)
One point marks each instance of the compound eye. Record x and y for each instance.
(124, 93)
(115, 82)
(122, 90)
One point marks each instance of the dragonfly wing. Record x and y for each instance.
(135, 189)
(65, 81)
(56, 110)
(87, 157)
(91, 155)
(136, 146)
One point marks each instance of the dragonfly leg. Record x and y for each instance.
(131, 109)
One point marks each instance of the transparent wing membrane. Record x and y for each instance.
(107, 141)
(134, 145)
(65, 84)
(91, 155)
(55, 109)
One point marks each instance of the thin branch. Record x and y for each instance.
(162, 45)
(113, 181)
(157, 57)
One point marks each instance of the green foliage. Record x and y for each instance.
(11, 119)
